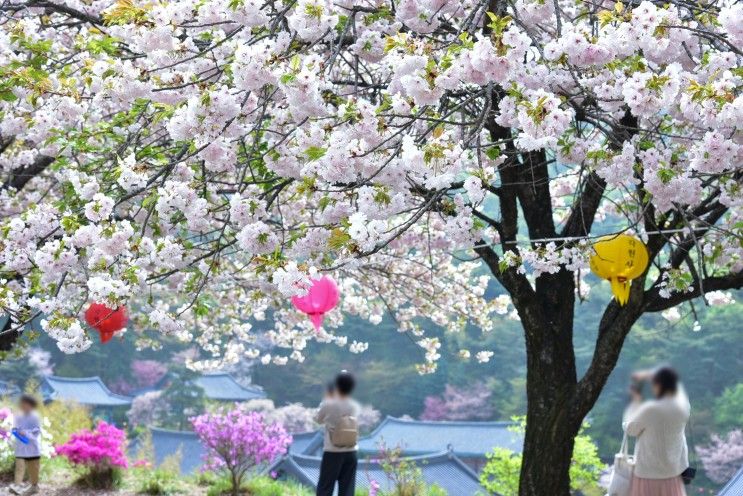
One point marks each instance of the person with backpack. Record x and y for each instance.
(338, 412)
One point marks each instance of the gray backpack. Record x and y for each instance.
(345, 434)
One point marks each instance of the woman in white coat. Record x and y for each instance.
(661, 453)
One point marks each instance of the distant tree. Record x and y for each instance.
(29, 364)
(184, 398)
(296, 417)
(729, 408)
(148, 409)
(471, 403)
(238, 440)
(723, 456)
(368, 417)
(147, 373)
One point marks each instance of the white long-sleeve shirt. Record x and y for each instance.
(30, 426)
(658, 425)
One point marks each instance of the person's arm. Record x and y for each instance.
(322, 413)
(636, 418)
(682, 398)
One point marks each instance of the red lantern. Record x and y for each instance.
(105, 320)
(322, 297)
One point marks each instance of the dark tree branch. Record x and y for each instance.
(584, 211)
(19, 178)
(615, 324)
(64, 9)
(654, 302)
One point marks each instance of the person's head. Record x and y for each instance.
(665, 382)
(27, 403)
(344, 383)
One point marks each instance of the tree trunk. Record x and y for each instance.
(557, 401)
(548, 449)
(235, 484)
(551, 381)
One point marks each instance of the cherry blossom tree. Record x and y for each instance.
(473, 403)
(723, 456)
(201, 161)
(147, 373)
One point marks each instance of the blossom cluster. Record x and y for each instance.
(202, 161)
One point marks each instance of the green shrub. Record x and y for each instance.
(162, 480)
(219, 486)
(66, 417)
(259, 486)
(501, 474)
(159, 482)
(265, 486)
(100, 478)
(205, 479)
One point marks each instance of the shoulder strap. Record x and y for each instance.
(692, 450)
(624, 450)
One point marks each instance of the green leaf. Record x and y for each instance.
(315, 153)
(493, 153)
(338, 239)
(7, 96)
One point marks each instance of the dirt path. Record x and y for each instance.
(47, 490)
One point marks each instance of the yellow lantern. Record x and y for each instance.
(619, 258)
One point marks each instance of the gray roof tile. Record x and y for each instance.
(418, 437)
(224, 387)
(734, 487)
(306, 443)
(443, 469)
(84, 390)
(167, 443)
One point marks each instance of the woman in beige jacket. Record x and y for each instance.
(661, 453)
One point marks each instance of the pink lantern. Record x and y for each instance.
(322, 297)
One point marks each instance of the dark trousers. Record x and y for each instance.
(339, 467)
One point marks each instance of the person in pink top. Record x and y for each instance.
(661, 453)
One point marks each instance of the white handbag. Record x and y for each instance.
(621, 475)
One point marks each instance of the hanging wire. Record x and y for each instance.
(577, 238)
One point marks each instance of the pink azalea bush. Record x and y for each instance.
(100, 451)
(238, 440)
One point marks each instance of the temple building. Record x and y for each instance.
(443, 469)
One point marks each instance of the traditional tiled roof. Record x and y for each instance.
(224, 387)
(735, 486)
(467, 439)
(306, 443)
(219, 386)
(443, 469)
(84, 390)
(167, 443)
